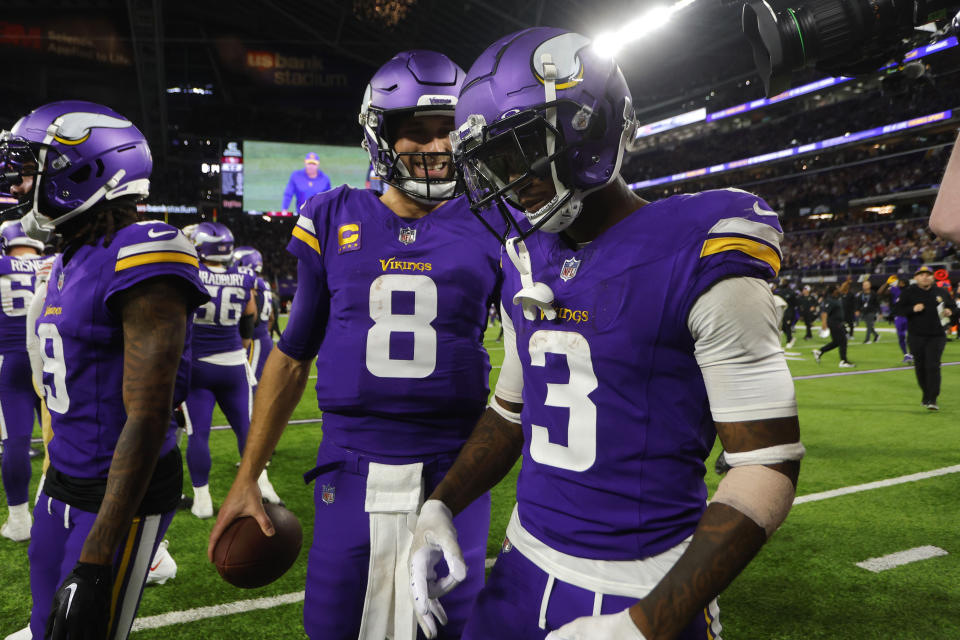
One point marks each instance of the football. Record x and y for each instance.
(248, 559)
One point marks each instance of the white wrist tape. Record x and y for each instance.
(758, 492)
(503, 412)
(767, 455)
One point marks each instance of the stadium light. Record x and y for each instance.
(609, 43)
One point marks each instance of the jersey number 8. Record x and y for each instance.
(386, 322)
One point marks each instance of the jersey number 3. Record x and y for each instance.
(386, 323)
(580, 452)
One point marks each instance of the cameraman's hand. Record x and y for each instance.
(81, 606)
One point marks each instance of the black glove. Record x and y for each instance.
(81, 606)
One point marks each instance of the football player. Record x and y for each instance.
(391, 299)
(262, 343)
(635, 333)
(114, 335)
(19, 261)
(896, 285)
(220, 373)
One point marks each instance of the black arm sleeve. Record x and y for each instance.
(247, 323)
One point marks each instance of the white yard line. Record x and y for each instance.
(217, 610)
(896, 559)
(879, 484)
(876, 565)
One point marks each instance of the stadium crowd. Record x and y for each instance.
(770, 133)
(889, 247)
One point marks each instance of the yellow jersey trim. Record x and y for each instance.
(154, 257)
(301, 234)
(752, 248)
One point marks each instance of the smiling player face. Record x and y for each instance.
(425, 135)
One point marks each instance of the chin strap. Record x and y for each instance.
(532, 296)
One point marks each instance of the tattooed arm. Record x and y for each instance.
(154, 318)
(723, 544)
(486, 457)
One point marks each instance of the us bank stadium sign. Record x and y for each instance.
(294, 71)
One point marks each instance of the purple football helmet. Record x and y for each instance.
(541, 103)
(412, 82)
(214, 242)
(190, 230)
(12, 235)
(248, 257)
(78, 154)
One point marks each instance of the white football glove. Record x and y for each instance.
(617, 626)
(434, 539)
(824, 333)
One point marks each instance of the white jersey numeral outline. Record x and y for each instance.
(231, 306)
(580, 452)
(58, 400)
(10, 295)
(385, 323)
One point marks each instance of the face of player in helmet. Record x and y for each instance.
(19, 166)
(22, 190)
(512, 160)
(423, 145)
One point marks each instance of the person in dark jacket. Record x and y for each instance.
(807, 305)
(925, 306)
(849, 302)
(868, 306)
(789, 296)
(832, 315)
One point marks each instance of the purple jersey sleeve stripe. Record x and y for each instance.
(154, 258)
(752, 248)
(300, 234)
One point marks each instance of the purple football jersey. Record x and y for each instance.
(401, 367)
(615, 414)
(265, 304)
(17, 276)
(82, 341)
(895, 292)
(215, 327)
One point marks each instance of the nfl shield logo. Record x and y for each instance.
(408, 235)
(569, 269)
(60, 281)
(328, 493)
(507, 546)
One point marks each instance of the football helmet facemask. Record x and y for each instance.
(418, 83)
(78, 154)
(543, 120)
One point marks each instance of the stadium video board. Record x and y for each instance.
(269, 167)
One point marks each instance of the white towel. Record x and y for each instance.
(394, 493)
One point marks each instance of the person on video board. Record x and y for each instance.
(306, 182)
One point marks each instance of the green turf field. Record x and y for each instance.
(805, 584)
